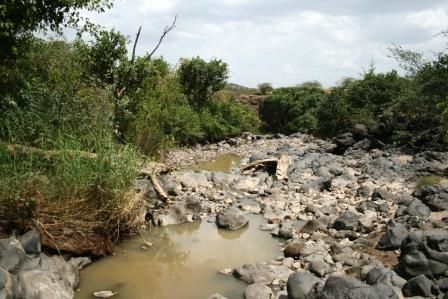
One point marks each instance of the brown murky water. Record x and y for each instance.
(221, 163)
(183, 262)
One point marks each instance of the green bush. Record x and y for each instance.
(293, 109)
(223, 118)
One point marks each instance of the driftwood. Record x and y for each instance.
(260, 164)
(280, 165)
(155, 184)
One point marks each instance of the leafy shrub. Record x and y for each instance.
(223, 118)
(292, 109)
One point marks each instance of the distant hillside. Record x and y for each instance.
(246, 95)
(236, 88)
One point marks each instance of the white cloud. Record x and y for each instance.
(285, 41)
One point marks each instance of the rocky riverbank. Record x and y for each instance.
(26, 272)
(352, 216)
(353, 221)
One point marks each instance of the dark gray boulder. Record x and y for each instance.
(363, 144)
(416, 208)
(418, 286)
(343, 142)
(381, 275)
(31, 242)
(303, 285)
(424, 252)
(393, 236)
(348, 221)
(435, 197)
(360, 131)
(341, 287)
(231, 219)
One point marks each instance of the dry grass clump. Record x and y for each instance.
(81, 204)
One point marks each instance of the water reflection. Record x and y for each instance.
(182, 263)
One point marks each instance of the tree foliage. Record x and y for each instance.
(200, 79)
(19, 19)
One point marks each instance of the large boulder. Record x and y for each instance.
(48, 278)
(393, 236)
(262, 273)
(8, 285)
(417, 208)
(343, 142)
(12, 254)
(418, 286)
(231, 218)
(302, 285)
(245, 183)
(424, 252)
(192, 180)
(435, 197)
(360, 131)
(38, 284)
(347, 287)
(257, 291)
(177, 214)
(380, 275)
(348, 221)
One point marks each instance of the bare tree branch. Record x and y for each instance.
(135, 43)
(165, 32)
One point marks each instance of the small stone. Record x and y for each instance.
(226, 271)
(104, 294)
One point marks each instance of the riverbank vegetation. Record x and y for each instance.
(407, 110)
(78, 118)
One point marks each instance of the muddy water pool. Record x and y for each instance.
(221, 163)
(183, 262)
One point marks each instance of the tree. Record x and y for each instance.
(19, 19)
(265, 88)
(200, 79)
(293, 109)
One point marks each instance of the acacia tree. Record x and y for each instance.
(200, 79)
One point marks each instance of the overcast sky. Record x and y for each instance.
(284, 42)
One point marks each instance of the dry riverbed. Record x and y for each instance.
(349, 218)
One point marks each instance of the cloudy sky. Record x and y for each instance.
(284, 42)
